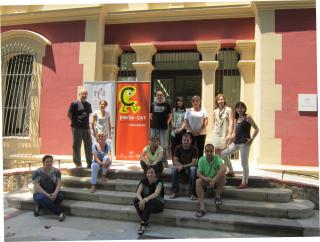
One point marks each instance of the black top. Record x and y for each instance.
(151, 188)
(48, 181)
(160, 115)
(185, 155)
(242, 132)
(80, 112)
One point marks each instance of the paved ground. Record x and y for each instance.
(23, 226)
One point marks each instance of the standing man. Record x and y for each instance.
(184, 161)
(161, 116)
(79, 112)
(211, 174)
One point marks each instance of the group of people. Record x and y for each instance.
(188, 137)
(206, 166)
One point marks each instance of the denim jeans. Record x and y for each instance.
(244, 155)
(192, 175)
(44, 202)
(164, 139)
(95, 167)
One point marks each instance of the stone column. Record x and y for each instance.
(208, 66)
(246, 66)
(143, 64)
(111, 54)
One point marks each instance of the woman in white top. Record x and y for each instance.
(101, 120)
(222, 124)
(196, 121)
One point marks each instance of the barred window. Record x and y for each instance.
(17, 77)
(127, 72)
(227, 76)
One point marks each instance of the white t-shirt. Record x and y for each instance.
(196, 119)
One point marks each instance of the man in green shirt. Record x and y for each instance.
(211, 173)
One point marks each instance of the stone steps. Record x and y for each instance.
(253, 194)
(137, 174)
(293, 209)
(181, 218)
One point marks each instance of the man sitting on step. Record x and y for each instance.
(47, 183)
(184, 161)
(211, 174)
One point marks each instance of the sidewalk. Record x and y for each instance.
(23, 226)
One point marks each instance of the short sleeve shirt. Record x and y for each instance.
(196, 119)
(80, 112)
(101, 153)
(149, 189)
(47, 181)
(152, 156)
(209, 169)
(185, 156)
(160, 115)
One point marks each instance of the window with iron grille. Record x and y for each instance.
(228, 76)
(127, 71)
(17, 66)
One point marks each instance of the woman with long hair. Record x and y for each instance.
(222, 124)
(178, 126)
(242, 141)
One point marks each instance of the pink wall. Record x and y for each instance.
(296, 72)
(61, 74)
(181, 34)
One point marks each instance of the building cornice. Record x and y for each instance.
(51, 16)
(292, 4)
(212, 12)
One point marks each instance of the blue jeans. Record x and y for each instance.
(192, 175)
(95, 167)
(44, 202)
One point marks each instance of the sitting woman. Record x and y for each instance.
(101, 158)
(149, 198)
(47, 184)
(152, 155)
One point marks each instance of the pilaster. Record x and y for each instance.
(208, 66)
(268, 98)
(246, 66)
(143, 70)
(111, 54)
(143, 65)
(91, 50)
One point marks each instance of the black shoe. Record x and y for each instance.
(89, 166)
(36, 211)
(61, 217)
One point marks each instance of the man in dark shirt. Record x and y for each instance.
(184, 161)
(79, 112)
(160, 115)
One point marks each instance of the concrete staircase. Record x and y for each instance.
(261, 209)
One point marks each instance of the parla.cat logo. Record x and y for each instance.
(125, 96)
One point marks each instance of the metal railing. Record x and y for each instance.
(17, 77)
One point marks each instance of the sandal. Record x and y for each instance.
(218, 201)
(193, 197)
(141, 228)
(200, 213)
